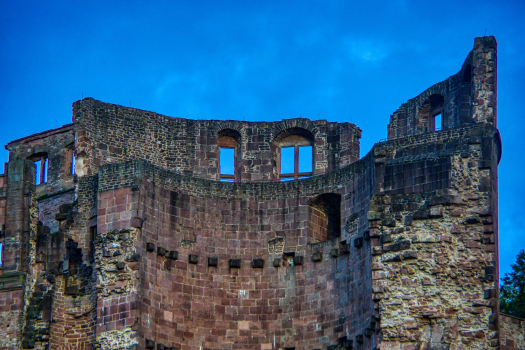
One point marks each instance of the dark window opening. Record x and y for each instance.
(430, 114)
(70, 161)
(324, 218)
(41, 170)
(1, 254)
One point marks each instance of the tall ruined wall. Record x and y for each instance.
(465, 98)
(434, 243)
(109, 133)
(303, 295)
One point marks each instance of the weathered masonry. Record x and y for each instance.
(127, 229)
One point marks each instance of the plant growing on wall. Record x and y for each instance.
(512, 290)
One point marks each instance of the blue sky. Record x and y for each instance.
(260, 60)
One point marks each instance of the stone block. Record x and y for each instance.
(277, 262)
(121, 265)
(369, 332)
(28, 344)
(345, 249)
(161, 251)
(298, 260)
(397, 246)
(366, 235)
(61, 217)
(193, 259)
(172, 255)
(160, 347)
(359, 339)
(490, 293)
(150, 344)
(136, 222)
(436, 212)
(472, 220)
(421, 215)
(317, 256)
(347, 344)
(258, 263)
(373, 215)
(65, 208)
(132, 257)
(71, 290)
(235, 263)
(213, 261)
(150, 247)
(358, 242)
(334, 253)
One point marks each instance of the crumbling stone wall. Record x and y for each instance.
(467, 97)
(142, 248)
(512, 332)
(106, 133)
(434, 255)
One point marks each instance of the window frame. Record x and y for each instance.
(230, 143)
(44, 167)
(295, 141)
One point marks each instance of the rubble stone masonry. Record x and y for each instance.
(143, 246)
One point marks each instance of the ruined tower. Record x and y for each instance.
(127, 230)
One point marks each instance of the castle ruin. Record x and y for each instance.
(127, 229)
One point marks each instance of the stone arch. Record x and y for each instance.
(299, 145)
(324, 218)
(428, 111)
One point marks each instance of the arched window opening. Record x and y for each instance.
(41, 164)
(430, 115)
(295, 154)
(228, 152)
(324, 218)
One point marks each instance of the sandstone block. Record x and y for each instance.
(193, 259)
(213, 261)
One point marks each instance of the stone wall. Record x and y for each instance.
(283, 290)
(464, 98)
(107, 133)
(512, 332)
(434, 254)
(143, 248)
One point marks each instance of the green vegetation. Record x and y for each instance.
(512, 290)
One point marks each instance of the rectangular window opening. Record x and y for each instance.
(287, 160)
(227, 161)
(38, 174)
(438, 122)
(305, 159)
(1, 254)
(41, 171)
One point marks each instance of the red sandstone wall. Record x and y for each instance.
(107, 133)
(192, 305)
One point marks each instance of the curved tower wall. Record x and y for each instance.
(143, 248)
